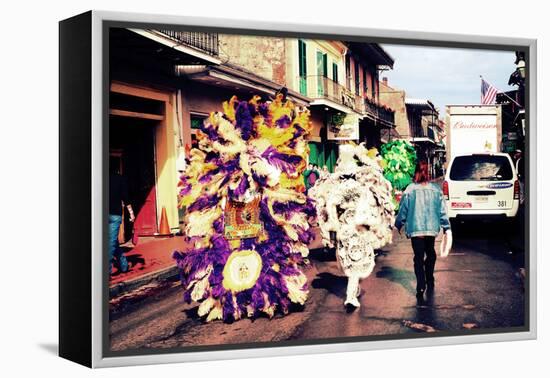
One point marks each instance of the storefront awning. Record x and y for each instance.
(423, 140)
(333, 105)
(234, 78)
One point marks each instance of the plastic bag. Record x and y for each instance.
(446, 244)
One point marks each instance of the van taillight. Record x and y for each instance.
(516, 190)
(446, 189)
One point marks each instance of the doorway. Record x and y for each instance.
(132, 150)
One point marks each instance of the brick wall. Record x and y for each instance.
(395, 99)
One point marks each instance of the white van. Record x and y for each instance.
(483, 186)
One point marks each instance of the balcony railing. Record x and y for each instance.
(385, 115)
(321, 87)
(207, 42)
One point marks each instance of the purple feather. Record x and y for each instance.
(227, 308)
(213, 156)
(298, 131)
(284, 162)
(247, 243)
(261, 180)
(244, 120)
(204, 202)
(219, 224)
(210, 132)
(207, 177)
(283, 122)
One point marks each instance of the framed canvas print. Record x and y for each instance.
(233, 188)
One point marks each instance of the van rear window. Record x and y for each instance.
(481, 168)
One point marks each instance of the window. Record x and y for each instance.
(481, 167)
(335, 72)
(348, 72)
(322, 73)
(322, 69)
(374, 75)
(357, 82)
(365, 85)
(302, 67)
(197, 121)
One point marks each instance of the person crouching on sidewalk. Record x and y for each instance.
(423, 211)
(118, 198)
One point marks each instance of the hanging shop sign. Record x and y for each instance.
(343, 127)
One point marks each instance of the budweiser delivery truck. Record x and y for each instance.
(481, 181)
(473, 129)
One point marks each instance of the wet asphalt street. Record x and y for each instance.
(478, 286)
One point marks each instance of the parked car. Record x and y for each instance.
(483, 186)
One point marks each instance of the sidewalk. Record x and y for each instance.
(151, 261)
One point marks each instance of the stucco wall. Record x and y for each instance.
(265, 56)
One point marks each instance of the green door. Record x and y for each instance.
(331, 156)
(316, 154)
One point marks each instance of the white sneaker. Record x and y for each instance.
(352, 301)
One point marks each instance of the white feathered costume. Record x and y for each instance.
(356, 203)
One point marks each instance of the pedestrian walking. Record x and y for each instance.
(311, 175)
(118, 199)
(423, 212)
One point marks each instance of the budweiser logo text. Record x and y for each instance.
(473, 125)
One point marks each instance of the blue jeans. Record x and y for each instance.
(114, 249)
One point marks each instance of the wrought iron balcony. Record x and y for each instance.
(207, 42)
(379, 113)
(321, 87)
(386, 115)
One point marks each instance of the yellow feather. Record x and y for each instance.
(276, 136)
(215, 313)
(229, 108)
(199, 223)
(294, 285)
(290, 183)
(192, 196)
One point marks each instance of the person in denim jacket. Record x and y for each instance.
(423, 211)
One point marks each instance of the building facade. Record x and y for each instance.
(340, 79)
(417, 120)
(164, 83)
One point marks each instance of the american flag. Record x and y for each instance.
(488, 93)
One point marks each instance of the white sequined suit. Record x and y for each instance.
(355, 202)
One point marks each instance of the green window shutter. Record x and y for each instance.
(335, 72)
(319, 63)
(302, 66)
(322, 72)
